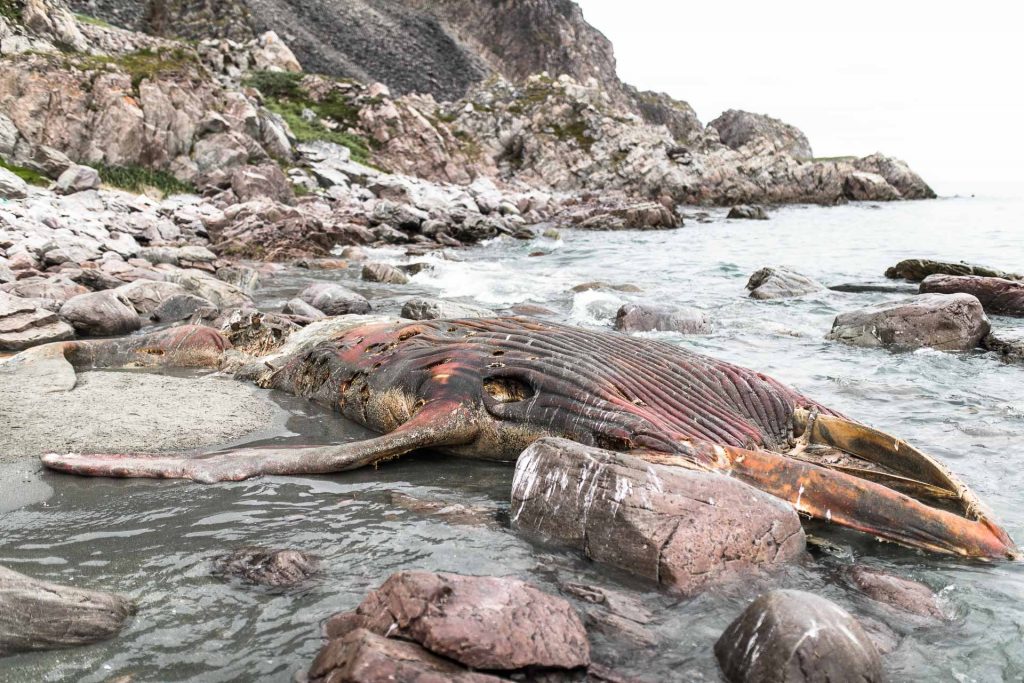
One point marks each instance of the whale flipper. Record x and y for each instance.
(436, 424)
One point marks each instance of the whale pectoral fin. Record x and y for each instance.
(435, 424)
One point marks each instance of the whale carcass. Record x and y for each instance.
(488, 387)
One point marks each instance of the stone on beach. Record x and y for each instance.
(998, 296)
(382, 272)
(334, 299)
(147, 295)
(947, 322)
(302, 309)
(423, 308)
(11, 186)
(180, 307)
(24, 324)
(917, 270)
(797, 637)
(101, 314)
(77, 179)
(681, 528)
(903, 594)
(267, 566)
(361, 656)
(648, 318)
(483, 622)
(780, 283)
(39, 615)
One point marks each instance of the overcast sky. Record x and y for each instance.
(938, 84)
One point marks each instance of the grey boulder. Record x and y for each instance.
(647, 318)
(101, 314)
(796, 637)
(78, 179)
(780, 283)
(947, 322)
(180, 307)
(424, 308)
(11, 186)
(24, 324)
(334, 299)
(382, 272)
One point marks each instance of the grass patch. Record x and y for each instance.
(92, 21)
(147, 64)
(27, 174)
(574, 130)
(284, 95)
(11, 11)
(139, 179)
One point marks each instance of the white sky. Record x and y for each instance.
(939, 84)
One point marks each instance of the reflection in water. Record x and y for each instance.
(154, 540)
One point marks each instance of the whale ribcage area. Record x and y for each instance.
(612, 390)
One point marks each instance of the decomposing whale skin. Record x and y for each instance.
(488, 387)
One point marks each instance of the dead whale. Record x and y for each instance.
(488, 387)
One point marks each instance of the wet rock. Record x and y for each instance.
(322, 264)
(903, 594)
(452, 513)
(531, 309)
(788, 635)
(77, 179)
(353, 254)
(334, 299)
(616, 614)
(222, 294)
(245, 278)
(885, 287)
(948, 322)
(38, 615)
(681, 528)
(780, 283)
(257, 333)
(1009, 347)
(424, 308)
(101, 314)
(267, 180)
(361, 656)
(750, 212)
(484, 622)
(647, 318)
(301, 308)
(147, 295)
(916, 270)
(861, 186)
(267, 566)
(599, 284)
(180, 307)
(382, 272)
(24, 324)
(998, 296)
(11, 186)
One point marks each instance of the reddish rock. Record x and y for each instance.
(918, 269)
(998, 296)
(498, 624)
(364, 657)
(681, 528)
(948, 322)
(904, 594)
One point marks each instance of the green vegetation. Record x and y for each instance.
(11, 11)
(93, 21)
(574, 130)
(27, 174)
(139, 179)
(285, 96)
(147, 64)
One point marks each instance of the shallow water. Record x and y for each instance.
(154, 540)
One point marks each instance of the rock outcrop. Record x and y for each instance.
(948, 322)
(737, 129)
(680, 528)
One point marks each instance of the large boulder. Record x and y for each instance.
(38, 615)
(864, 187)
(181, 307)
(24, 324)
(678, 527)
(78, 179)
(997, 295)
(948, 322)
(55, 290)
(147, 295)
(11, 186)
(101, 314)
(382, 272)
(334, 299)
(423, 308)
(780, 283)
(202, 284)
(300, 308)
(749, 212)
(483, 622)
(648, 318)
(898, 174)
(361, 656)
(737, 129)
(917, 270)
(266, 180)
(903, 594)
(796, 637)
